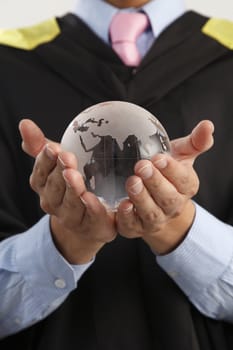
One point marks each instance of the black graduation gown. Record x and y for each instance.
(124, 301)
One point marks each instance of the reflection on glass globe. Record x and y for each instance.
(108, 139)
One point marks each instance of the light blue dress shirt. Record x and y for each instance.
(160, 12)
(35, 279)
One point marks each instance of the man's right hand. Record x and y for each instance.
(80, 224)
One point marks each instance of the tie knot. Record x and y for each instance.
(128, 26)
(124, 30)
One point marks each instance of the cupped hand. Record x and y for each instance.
(159, 208)
(80, 224)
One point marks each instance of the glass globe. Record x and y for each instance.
(108, 139)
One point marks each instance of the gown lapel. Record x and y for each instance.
(82, 68)
(174, 58)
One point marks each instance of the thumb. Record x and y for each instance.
(199, 141)
(33, 139)
(202, 136)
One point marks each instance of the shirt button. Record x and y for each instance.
(60, 283)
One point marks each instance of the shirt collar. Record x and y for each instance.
(97, 14)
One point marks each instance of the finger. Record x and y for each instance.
(199, 141)
(97, 217)
(44, 164)
(76, 189)
(33, 138)
(128, 222)
(75, 180)
(85, 210)
(72, 209)
(149, 213)
(54, 188)
(181, 175)
(163, 192)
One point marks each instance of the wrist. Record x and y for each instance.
(74, 247)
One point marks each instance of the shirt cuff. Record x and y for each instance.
(42, 266)
(202, 258)
(80, 269)
(36, 278)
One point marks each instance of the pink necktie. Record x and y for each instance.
(125, 28)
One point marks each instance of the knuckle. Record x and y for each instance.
(37, 177)
(152, 227)
(33, 183)
(193, 188)
(189, 181)
(155, 185)
(45, 206)
(54, 186)
(169, 203)
(184, 179)
(38, 170)
(151, 217)
(152, 222)
(127, 227)
(192, 191)
(177, 211)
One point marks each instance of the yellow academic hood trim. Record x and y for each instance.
(221, 30)
(29, 38)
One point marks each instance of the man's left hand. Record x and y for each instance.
(159, 208)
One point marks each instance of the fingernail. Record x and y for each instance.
(83, 201)
(161, 163)
(61, 163)
(66, 180)
(50, 153)
(136, 188)
(128, 209)
(146, 171)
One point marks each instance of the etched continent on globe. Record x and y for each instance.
(108, 139)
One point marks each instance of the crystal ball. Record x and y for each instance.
(108, 139)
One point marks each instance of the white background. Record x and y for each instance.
(17, 13)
